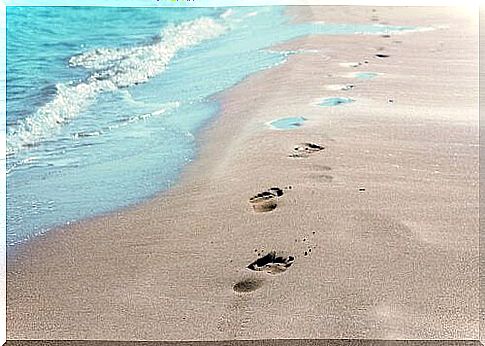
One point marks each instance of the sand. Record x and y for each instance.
(382, 223)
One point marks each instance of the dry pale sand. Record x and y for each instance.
(398, 260)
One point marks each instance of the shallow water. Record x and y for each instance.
(103, 104)
(335, 101)
(287, 123)
(366, 75)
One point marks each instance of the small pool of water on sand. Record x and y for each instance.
(334, 101)
(366, 75)
(287, 123)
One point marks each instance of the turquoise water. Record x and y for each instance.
(335, 101)
(104, 104)
(287, 123)
(366, 75)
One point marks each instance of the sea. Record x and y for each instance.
(104, 104)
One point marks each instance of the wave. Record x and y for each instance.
(111, 69)
(126, 121)
(15, 164)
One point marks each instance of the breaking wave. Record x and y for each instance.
(111, 69)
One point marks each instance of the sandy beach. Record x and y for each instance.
(382, 224)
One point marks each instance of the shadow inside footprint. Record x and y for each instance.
(382, 56)
(305, 149)
(276, 191)
(247, 285)
(347, 87)
(267, 200)
(272, 263)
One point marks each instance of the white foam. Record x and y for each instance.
(68, 102)
(167, 107)
(402, 31)
(112, 68)
(294, 51)
(127, 66)
(227, 13)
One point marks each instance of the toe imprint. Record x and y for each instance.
(272, 263)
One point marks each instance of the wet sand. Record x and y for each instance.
(381, 224)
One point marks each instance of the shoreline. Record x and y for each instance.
(207, 216)
(297, 14)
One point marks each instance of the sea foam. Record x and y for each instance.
(110, 69)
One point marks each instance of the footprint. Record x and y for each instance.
(263, 202)
(276, 191)
(247, 285)
(236, 318)
(343, 87)
(267, 200)
(287, 123)
(382, 56)
(364, 75)
(326, 177)
(272, 263)
(305, 149)
(350, 64)
(320, 172)
(322, 167)
(347, 87)
(335, 101)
